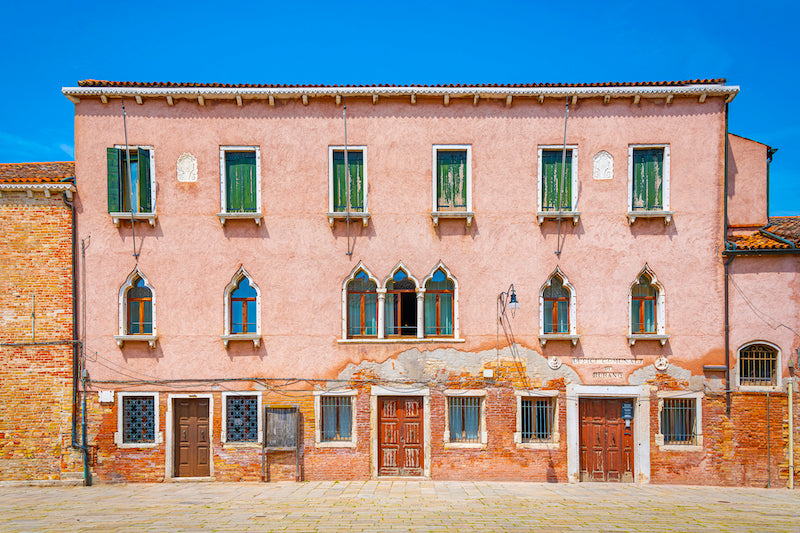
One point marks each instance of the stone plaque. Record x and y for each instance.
(661, 363)
(603, 166)
(187, 168)
(554, 362)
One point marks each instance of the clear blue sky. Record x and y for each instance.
(46, 45)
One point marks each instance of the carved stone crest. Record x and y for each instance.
(187, 168)
(554, 362)
(603, 166)
(661, 363)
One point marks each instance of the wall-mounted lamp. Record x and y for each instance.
(507, 300)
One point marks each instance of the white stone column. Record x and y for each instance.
(381, 311)
(420, 313)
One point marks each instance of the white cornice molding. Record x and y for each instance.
(37, 187)
(627, 91)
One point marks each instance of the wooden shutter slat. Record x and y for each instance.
(113, 159)
(144, 181)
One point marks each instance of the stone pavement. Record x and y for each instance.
(396, 506)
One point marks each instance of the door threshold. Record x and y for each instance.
(188, 479)
(401, 478)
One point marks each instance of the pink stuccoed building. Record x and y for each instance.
(532, 281)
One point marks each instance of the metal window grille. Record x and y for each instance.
(336, 418)
(757, 365)
(138, 419)
(537, 419)
(465, 419)
(241, 419)
(678, 421)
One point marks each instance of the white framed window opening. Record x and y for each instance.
(537, 426)
(137, 420)
(242, 418)
(680, 420)
(465, 418)
(335, 418)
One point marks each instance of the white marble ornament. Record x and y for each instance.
(187, 168)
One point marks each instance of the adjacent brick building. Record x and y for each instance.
(449, 291)
(36, 348)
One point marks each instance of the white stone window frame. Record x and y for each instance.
(483, 433)
(468, 213)
(227, 336)
(158, 437)
(456, 322)
(150, 217)
(259, 413)
(555, 439)
(572, 212)
(332, 215)
(697, 396)
(572, 336)
(661, 310)
(223, 215)
(318, 442)
(122, 334)
(777, 387)
(664, 213)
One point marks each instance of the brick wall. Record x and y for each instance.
(35, 381)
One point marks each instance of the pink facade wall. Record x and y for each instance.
(747, 182)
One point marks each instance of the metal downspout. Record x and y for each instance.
(727, 273)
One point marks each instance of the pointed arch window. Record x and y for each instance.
(242, 306)
(401, 305)
(647, 312)
(362, 306)
(137, 310)
(557, 310)
(439, 305)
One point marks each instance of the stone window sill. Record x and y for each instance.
(120, 217)
(465, 446)
(335, 444)
(255, 337)
(666, 215)
(255, 216)
(632, 338)
(400, 340)
(149, 339)
(466, 215)
(333, 217)
(555, 215)
(545, 337)
(243, 445)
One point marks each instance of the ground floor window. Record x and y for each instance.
(537, 419)
(335, 418)
(465, 420)
(678, 421)
(138, 419)
(241, 419)
(758, 365)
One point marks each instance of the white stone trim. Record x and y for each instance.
(122, 301)
(484, 434)
(641, 425)
(697, 396)
(158, 437)
(169, 451)
(348, 279)
(555, 440)
(572, 211)
(334, 215)
(778, 387)
(661, 309)
(318, 442)
(665, 211)
(378, 390)
(573, 328)
(456, 321)
(420, 290)
(260, 413)
(435, 213)
(223, 214)
(227, 336)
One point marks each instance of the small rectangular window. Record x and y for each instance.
(352, 173)
(537, 419)
(241, 419)
(465, 419)
(129, 180)
(648, 179)
(451, 180)
(678, 421)
(240, 181)
(138, 419)
(556, 184)
(337, 416)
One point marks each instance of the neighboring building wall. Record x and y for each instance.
(748, 199)
(35, 380)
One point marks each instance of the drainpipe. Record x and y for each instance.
(727, 263)
(791, 435)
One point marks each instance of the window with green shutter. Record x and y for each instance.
(647, 181)
(556, 180)
(355, 164)
(129, 189)
(451, 180)
(240, 182)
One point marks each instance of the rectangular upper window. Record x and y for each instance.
(648, 174)
(452, 182)
(354, 173)
(557, 181)
(240, 171)
(131, 185)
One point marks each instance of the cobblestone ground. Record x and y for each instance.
(397, 506)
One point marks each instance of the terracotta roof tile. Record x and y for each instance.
(51, 172)
(787, 228)
(164, 84)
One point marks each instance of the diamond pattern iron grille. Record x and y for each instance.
(242, 419)
(139, 420)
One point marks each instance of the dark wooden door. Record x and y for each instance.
(606, 445)
(400, 446)
(191, 437)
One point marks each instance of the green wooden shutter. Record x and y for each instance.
(451, 180)
(459, 180)
(339, 191)
(355, 160)
(551, 181)
(240, 181)
(444, 192)
(648, 179)
(113, 157)
(566, 186)
(145, 202)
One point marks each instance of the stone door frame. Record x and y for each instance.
(374, 429)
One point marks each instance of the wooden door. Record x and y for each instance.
(606, 445)
(192, 443)
(400, 445)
